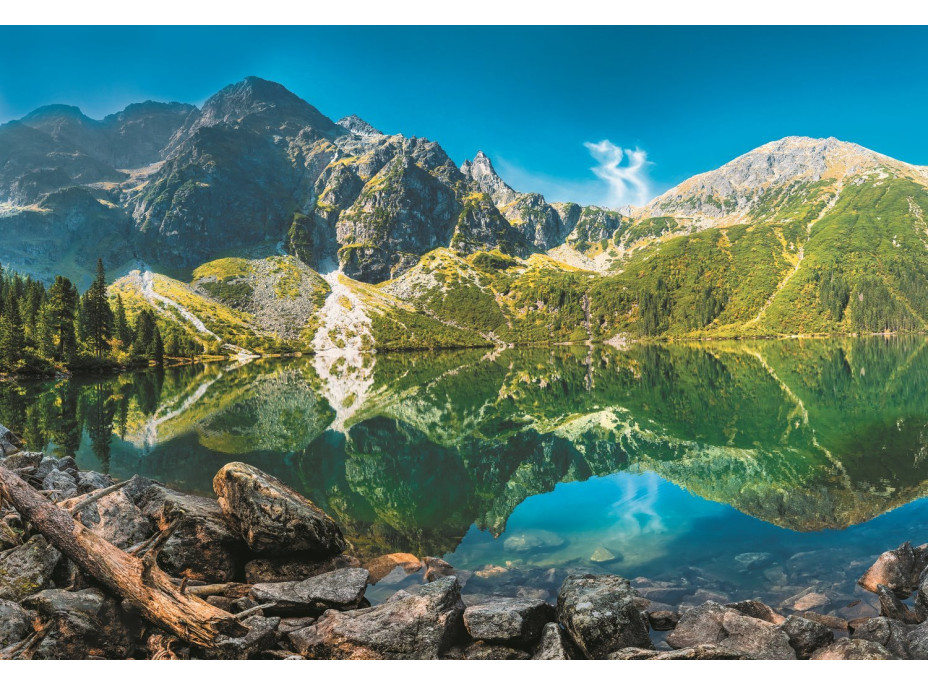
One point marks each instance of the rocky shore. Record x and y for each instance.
(284, 570)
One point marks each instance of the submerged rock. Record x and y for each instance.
(381, 566)
(270, 570)
(272, 517)
(600, 614)
(27, 569)
(555, 644)
(663, 620)
(806, 636)
(536, 539)
(757, 610)
(514, 621)
(713, 624)
(852, 649)
(421, 624)
(342, 589)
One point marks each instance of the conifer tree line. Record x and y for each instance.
(55, 327)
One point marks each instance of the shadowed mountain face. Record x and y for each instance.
(809, 436)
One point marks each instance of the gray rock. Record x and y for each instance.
(272, 517)
(83, 624)
(921, 596)
(897, 569)
(10, 443)
(61, 482)
(88, 482)
(555, 644)
(705, 652)
(27, 569)
(852, 649)
(712, 624)
(892, 607)
(15, 622)
(806, 636)
(25, 460)
(342, 589)
(262, 635)
(889, 633)
(421, 624)
(482, 650)
(45, 467)
(916, 642)
(832, 622)
(436, 568)
(757, 610)
(117, 519)
(205, 546)
(599, 614)
(537, 539)
(271, 570)
(515, 621)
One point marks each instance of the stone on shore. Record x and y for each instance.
(806, 636)
(514, 621)
(892, 607)
(757, 610)
(897, 569)
(342, 589)
(272, 570)
(705, 652)
(10, 443)
(272, 517)
(83, 624)
(713, 624)
(663, 620)
(555, 644)
(852, 649)
(27, 569)
(421, 624)
(262, 635)
(889, 633)
(62, 485)
(115, 518)
(481, 650)
(917, 642)
(381, 566)
(15, 622)
(600, 614)
(205, 546)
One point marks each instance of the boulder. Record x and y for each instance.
(663, 620)
(342, 589)
(270, 570)
(889, 633)
(205, 546)
(713, 624)
(25, 461)
(916, 642)
(555, 644)
(10, 443)
(482, 650)
(262, 635)
(436, 568)
(921, 596)
(892, 607)
(61, 483)
(897, 569)
(514, 621)
(757, 610)
(421, 624)
(706, 652)
(272, 517)
(832, 622)
(15, 623)
(82, 624)
(852, 649)
(88, 482)
(27, 569)
(806, 636)
(115, 518)
(599, 614)
(381, 566)
(45, 467)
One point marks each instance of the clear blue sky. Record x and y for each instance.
(689, 98)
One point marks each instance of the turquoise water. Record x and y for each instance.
(756, 469)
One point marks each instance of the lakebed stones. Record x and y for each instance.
(513, 621)
(342, 589)
(758, 610)
(852, 649)
(272, 517)
(381, 567)
(713, 624)
(535, 539)
(421, 624)
(600, 614)
(27, 569)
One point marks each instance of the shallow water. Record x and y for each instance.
(766, 469)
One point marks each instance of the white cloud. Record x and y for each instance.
(621, 178)
(628, 184)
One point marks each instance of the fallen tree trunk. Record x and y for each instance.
(137, 580)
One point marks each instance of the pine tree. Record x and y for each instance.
(97, 317)
(157, 353)
(12, 337)
(60, 319)
(121, 325)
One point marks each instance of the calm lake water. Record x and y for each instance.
(765, 469)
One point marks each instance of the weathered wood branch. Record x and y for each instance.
(139, 581)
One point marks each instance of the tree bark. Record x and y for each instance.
(137, 580)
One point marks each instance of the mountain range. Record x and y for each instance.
(259, 221)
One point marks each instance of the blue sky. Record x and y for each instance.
(602, 115)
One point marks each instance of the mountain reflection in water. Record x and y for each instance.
(657, 457)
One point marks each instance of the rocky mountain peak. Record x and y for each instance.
(356, 125)
(481, 172)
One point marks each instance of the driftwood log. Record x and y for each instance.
(138, 580)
